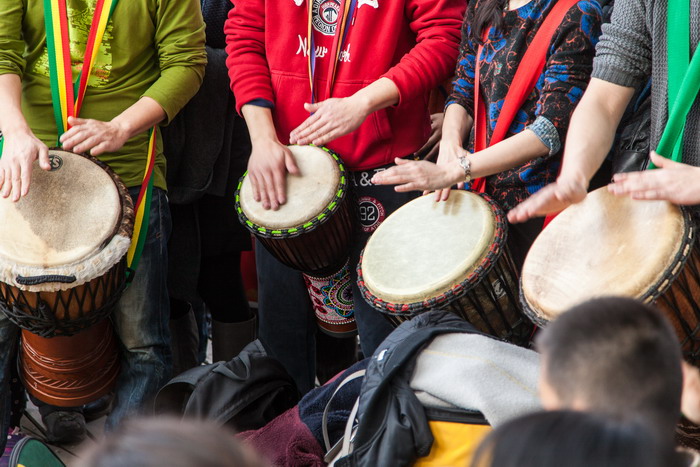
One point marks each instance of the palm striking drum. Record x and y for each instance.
(449, 255)
(62, 270)
(610, 245)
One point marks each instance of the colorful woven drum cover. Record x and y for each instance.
(609, 245)
(332, 300)
(311, 232)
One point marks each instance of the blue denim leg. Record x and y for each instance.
(372, 326)
(141, 320)
(286, 322)
(8, 340)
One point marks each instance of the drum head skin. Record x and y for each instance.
(426, 247)
(69, 212)
(606, 245)
(308, 193)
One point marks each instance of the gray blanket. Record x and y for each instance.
(475, 372)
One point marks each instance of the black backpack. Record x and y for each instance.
(394, 426)
(246, 392)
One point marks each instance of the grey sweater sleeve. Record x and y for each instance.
(623, 55)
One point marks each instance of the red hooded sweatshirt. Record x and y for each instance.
(412, 42)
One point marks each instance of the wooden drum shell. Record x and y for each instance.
(320, 251)
(70, 371)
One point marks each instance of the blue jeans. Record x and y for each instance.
(140, 320)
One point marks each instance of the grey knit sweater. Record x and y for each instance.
(633, 47)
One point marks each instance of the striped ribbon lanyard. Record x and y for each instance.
(683, 79)
(67, 97)
(345, 21)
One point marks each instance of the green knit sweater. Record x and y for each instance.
(633, 48)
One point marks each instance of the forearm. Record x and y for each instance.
(456, 125)
(511, 152)
(592, 129)
(378, 95)
(139, 117)
(11, 118)
(260, 124)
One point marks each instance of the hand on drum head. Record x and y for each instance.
(93, 136)
(449, 153)
(330, 119)
(20, 151)
(551, 199)
(672, 181)
(267, 171)
(690, 400)
(419, 175)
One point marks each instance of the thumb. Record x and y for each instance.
(44, 158)
(661, 161)
(291, 164)
(311, 108)
(400, 161)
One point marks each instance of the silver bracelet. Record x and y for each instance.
(466, 165)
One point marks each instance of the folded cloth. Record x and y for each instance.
(476, 372)
(313, 404)
(286, 441)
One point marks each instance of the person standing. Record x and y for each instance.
(354, 76)
(149, 64)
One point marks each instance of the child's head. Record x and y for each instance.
(615, 356)
(156, 442)
(573, 439)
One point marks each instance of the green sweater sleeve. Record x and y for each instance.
(181, 54)
(11, 42)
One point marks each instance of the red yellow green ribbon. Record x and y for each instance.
(67, 96)
(143, 204)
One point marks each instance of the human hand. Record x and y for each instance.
(267, 171)
(449, 152)
(690, 399)
(672, 181)
(430, 149)
(331, 119)
(419, 175)
(550, 199)
(20, 151)
(93, 136)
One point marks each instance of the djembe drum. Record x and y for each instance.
(449, 255)
(62, 250)
(311, 232)
(610, 245)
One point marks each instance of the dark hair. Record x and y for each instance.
(172, 442)
(487, 13)
(573, 439)
(617, 356)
